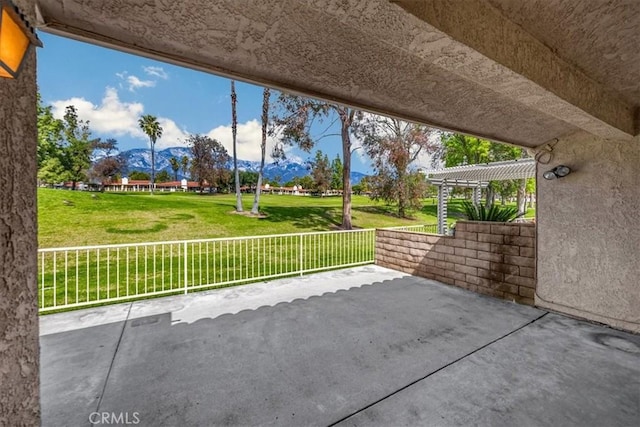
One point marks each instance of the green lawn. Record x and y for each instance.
(92, 276)
(107, 218)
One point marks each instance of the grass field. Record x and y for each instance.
(97, 275)
(77, 218)
(108, 218)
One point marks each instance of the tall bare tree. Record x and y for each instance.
(263, 148)
(149, 125)
(234, 132)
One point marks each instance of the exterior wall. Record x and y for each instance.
(496, 259)
(589, 231)
(19, 353)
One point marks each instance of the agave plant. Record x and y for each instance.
(494, 214)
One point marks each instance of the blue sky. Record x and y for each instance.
(112, 89)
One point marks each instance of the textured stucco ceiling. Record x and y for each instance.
(598, 36)
(372, 54)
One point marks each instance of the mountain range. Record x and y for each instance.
(139, 159)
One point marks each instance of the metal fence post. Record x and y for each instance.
(186, 263)
(301, 256)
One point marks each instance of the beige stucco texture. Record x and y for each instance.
(372, 54)
(19, 350)
(589, 231)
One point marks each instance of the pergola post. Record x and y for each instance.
(477, 195)
(443, 196)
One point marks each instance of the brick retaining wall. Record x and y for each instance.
(496, 259)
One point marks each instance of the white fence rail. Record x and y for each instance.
(422, 228)
(88, 275)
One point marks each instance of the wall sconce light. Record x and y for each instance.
(558, 172)
(16, 37)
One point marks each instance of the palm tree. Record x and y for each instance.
(175, 167)
(184, 162)
(263, 147)
(149, 125)
(234, 132)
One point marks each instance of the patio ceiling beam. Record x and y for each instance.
(370, 54)
(518, 66)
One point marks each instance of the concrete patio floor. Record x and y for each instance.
(364, 346)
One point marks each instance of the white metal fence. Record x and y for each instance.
(422, 228)
(80, 276)
(88, 275)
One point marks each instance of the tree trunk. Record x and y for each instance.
(153, 166)
(346, 118)
(490, 197)
(234, 131)
(263, 148)
(522, 196)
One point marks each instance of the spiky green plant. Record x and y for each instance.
(494, 213)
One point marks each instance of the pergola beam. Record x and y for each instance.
(476, 177)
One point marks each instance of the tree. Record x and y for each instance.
(321, 172)
(255, 209)
(530, 187)
(163, 176)
(293, 124)
(457, 149)
(209, 160)
(234, 133)
(110, 164)
(394, 145)
(49, 134)
(336, 173)
(139, 175)
(175, 167)
(52, 171)
(184, 163)
(76, 153)
(150, 126)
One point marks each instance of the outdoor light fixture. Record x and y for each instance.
(16, 37)
(557, 172)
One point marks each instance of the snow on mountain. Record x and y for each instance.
(139, 159)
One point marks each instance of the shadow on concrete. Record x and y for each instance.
(329, 358)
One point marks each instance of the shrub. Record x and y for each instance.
(494, 214)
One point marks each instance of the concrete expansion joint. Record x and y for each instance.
(113, 359)
(364, 408)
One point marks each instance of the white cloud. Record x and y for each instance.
(156, 72)
(248, 140)
(172, 134)
(135, 83)
(112, 117)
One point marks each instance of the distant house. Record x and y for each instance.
(126, 184)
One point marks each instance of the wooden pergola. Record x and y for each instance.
(476, 177)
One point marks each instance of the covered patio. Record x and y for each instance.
(363, 346)
(558, 77)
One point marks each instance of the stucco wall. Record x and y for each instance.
(589, 231)
(496, 259)
(19, 354)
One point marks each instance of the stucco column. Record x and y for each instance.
(589, 231)
(19, 351)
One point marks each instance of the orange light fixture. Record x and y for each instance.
(16, 37)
